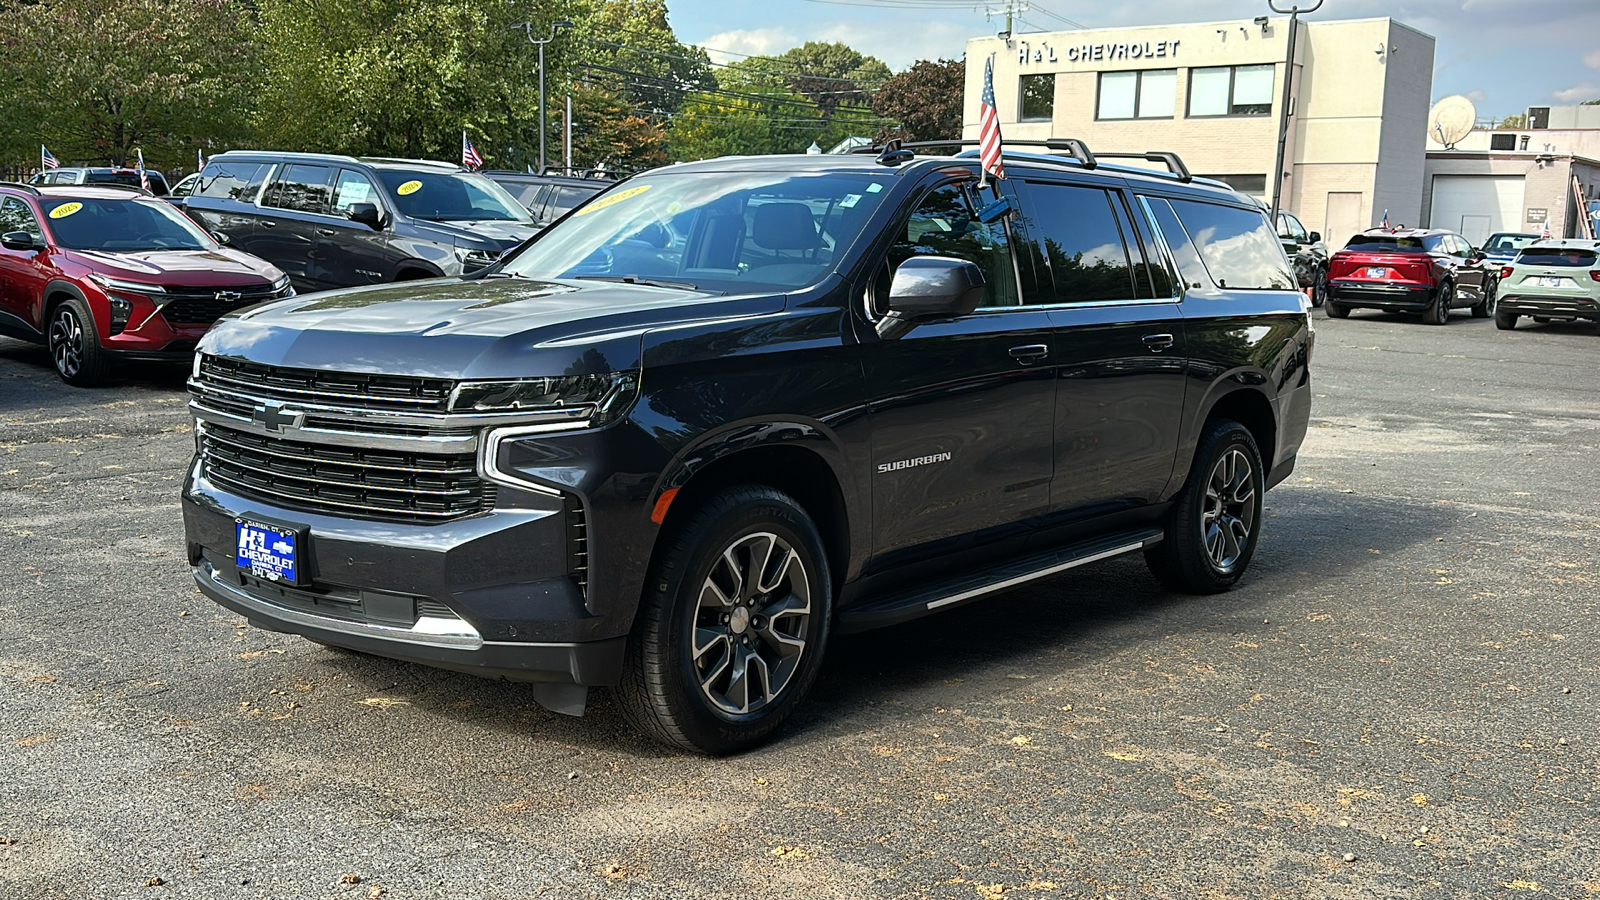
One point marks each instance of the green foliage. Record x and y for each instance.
(1517, 121)
(627, 47)
(608, 132)
(94, 80)
(926, 99)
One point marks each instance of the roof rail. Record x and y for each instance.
(21, 187)
(413, 162)
(290, 154)
(116, 186)
(1170, 160)
(1073, 147)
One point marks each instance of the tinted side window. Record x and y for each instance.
(943, 226)
(566, 199)
(1081, 242)
(353, 188)
(230, 180)
(16, 216)
(1238, 245)
(1184, 253)
(301, 188)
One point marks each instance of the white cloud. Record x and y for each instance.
(1592, 60)
(1580, 94)
(730, 46)
(1476, 96)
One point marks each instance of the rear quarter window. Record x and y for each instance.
(1239, 247)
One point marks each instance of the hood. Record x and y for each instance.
(182, 268)
(502, 233)
(470, 328)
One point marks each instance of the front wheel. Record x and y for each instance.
(1319, 287)
(1216, 519)
(732, 626)
(75, 345)
(1438, 312)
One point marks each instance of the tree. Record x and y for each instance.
(831, 74)
(95, 80)
(628, 47)
(1517, 121)
(927, 100)
(607, 131)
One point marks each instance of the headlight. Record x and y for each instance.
(281, 285)
(471, 259)
(597, 399)
(113, 284)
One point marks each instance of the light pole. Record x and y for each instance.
(1293, 13)
(527, 28)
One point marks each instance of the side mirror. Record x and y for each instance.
(221, 238)
(367, 214)
(930, 287)
(19, 240)
(1315, 237)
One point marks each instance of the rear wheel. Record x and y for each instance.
(75, 345)
(1485, 308)
(1505, 321)
(732, 626)
(1335, 309)
(1216, 520)
(1438, 312)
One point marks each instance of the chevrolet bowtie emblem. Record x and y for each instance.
(229, 296)
(273, 416)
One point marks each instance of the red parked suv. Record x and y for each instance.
(104, 272)
(1416, 270)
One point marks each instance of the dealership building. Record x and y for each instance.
(1354, 145)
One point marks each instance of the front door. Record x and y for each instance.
(963, 408)
(22, 275)
(351, 253)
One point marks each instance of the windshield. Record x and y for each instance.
(125, 226)
(730, 231)
(1508, 242)
(1385, 243)
(451, 197)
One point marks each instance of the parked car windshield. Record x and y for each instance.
(1508, 242)
(122, 226)
(731, 232)
(451, 197)
(1572, 257)
(1380, 243)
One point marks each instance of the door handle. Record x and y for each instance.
(1158, 342)
(1028, 353)
(326, 232)
(268, 223)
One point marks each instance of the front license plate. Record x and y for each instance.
(1377, 272)
(270, 552)
(1551, 282)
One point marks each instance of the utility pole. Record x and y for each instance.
(527, 28)
(567, 156)
(1293, 13)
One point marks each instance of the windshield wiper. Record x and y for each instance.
(634, 279)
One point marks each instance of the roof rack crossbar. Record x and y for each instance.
(1075, 148)
(1170, 160)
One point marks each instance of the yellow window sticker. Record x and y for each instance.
(410, 187)
(612, 199)
(64, 210)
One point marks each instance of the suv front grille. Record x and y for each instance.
(355, 390)
(358, 482)
(202, 306)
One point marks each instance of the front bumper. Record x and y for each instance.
(1555, 306)
(489, 594)
(1393, 297)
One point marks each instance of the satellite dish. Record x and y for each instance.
(1451, 119)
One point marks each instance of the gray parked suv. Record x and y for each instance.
(336, 221)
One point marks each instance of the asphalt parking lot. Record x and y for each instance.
(1398, 701)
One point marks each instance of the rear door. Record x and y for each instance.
(1472, 273)
(1118, 345)
(224, 199)
(286, 235)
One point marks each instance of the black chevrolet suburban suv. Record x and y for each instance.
(732, 406)
(338, 221)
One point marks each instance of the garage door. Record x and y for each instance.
(1477, 205)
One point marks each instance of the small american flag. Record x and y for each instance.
(47, 159)
(144, 177)
(469, 153)
(989, 126)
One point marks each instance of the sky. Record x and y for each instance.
(1504, 55)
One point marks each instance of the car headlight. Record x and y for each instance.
(594, 399)
(281, 285)
(471, 259)
(113, 284)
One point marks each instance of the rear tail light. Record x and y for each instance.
(1505, 272)
(1594, 275)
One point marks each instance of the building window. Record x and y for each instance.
(1038, 98)
(1244, 184)
(1231, 91)
(1138, 95)
(1502, 142)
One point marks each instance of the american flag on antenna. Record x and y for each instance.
(989, 126)
(144, 177)
(469, 154)
(47, 159)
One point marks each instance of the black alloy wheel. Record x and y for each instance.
(1319, 287)
(1215, 522)
(731, 630)
(1438, 312)
(1485, 308)
(74, 345)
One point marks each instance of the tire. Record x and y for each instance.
(1505, 321)
(1335, 309)
(1491, 299)
(1319, 287)
(688, 694)
(1215, 521)
(74, 345)
(1438, 312)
